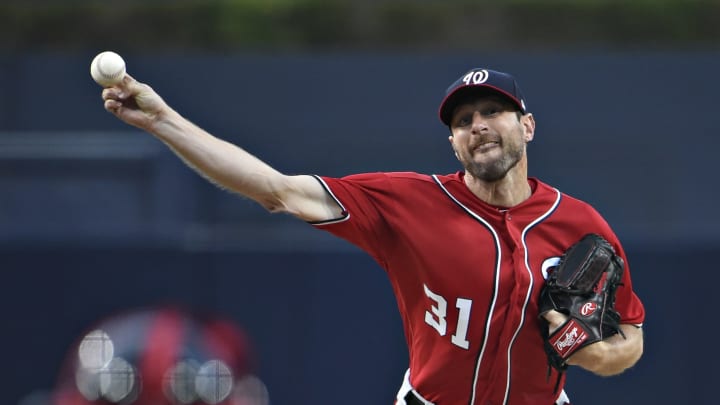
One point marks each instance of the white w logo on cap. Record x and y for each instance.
(476, 77)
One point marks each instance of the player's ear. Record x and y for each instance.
(528, 123)
(452, 145)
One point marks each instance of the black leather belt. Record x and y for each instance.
(412, 399)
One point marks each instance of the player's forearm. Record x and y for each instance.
(613, 355)
(221, 162)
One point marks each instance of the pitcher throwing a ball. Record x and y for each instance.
(467, 253)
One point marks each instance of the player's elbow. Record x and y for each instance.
(637, 354)
(273, 204)
(273, 195)
(615, 369)
(621, 358)
(635, 346)
(631, 358)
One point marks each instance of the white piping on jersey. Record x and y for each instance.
(497, 279)
(476, 374)
(529, 291)
(497, 274)
(342, 207)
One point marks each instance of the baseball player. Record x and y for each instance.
(466, 253)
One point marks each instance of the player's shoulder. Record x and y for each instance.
(577, 217)
(406, 183)
(570, 202)
(576, 203)
(410, 176)
(423, 181)
(395, 177)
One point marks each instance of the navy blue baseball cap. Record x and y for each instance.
(490, 80)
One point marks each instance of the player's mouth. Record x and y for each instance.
(486, 146)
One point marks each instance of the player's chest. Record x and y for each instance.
(496, 254)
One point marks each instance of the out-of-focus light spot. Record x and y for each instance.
(214, 381)
(118, 381)
(87, 382)
(250, 390)
(95, 350)
(179, 384)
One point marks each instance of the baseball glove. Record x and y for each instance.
(576, 288)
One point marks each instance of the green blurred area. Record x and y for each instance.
(358, 24)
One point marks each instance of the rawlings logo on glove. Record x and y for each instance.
(582, 287)
(568, 339)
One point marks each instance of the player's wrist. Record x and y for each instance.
(167, 121)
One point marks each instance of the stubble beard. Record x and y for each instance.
(497, 169)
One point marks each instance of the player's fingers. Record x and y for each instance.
(130, 85)
(555, 319)
(128, 89)
(112, 105)
(111, 93)
(128, 114)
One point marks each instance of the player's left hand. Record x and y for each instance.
(576, 303)
(587, 357)
(584, 356)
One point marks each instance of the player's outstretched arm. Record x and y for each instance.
(221, 162)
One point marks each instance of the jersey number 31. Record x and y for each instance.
(436, 317)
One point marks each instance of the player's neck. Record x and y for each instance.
(509, 191)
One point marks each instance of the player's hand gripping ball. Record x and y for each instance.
(107, 68)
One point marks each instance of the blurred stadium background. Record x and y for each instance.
(96, 217)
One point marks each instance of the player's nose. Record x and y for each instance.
(479, 124)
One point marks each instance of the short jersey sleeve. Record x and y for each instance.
(366, 201)
(627, 303)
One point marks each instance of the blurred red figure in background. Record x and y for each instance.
(162, 356)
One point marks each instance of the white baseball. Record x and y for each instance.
(107, 69)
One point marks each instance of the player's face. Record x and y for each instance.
(489, 137)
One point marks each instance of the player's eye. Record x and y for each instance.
(491, 111)
(463, 120)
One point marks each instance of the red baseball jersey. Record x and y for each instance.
(467, 277)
